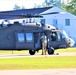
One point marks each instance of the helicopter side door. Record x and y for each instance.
(37, 40)
(24, 40)
(54, 39)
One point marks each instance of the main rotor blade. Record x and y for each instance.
(22, 15)
(29, 15)
(53, 13)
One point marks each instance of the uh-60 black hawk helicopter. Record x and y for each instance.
(17, 36)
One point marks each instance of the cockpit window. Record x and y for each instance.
(58, 33)
(64, 34)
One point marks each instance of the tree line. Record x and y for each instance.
(70, 6)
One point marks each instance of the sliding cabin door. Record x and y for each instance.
(24, 40)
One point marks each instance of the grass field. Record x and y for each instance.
(66, 50)
(38, 62)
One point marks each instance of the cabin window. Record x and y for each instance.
(67, 22)
(43, 21)
(29, 37)
(21, 37)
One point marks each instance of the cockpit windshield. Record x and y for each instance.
(64, 34)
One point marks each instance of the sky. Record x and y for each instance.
(6, 5)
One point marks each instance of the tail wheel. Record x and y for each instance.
(32, 52)
(51, 50)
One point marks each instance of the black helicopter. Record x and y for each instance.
(18, 36)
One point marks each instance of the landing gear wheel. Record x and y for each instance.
(51, 51)
(32, 52)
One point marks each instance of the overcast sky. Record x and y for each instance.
(9, 4)
(6, 5)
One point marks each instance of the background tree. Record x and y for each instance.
(17, 7)
(70, 7)
(57, 3)
(22, 7)
(37, 6)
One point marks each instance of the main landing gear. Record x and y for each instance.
(50, 50)
(32, 52)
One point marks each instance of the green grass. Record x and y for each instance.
(38, 63)
(13, 52)
(66, 50)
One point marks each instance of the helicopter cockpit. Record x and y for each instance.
(61, 37)
(65, 36)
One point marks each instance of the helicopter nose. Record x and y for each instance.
(72, 42)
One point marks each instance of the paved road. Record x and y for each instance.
(37, 55)
(39, 72)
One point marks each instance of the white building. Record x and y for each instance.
(65, 21)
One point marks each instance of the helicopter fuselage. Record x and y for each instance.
(27, 37)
